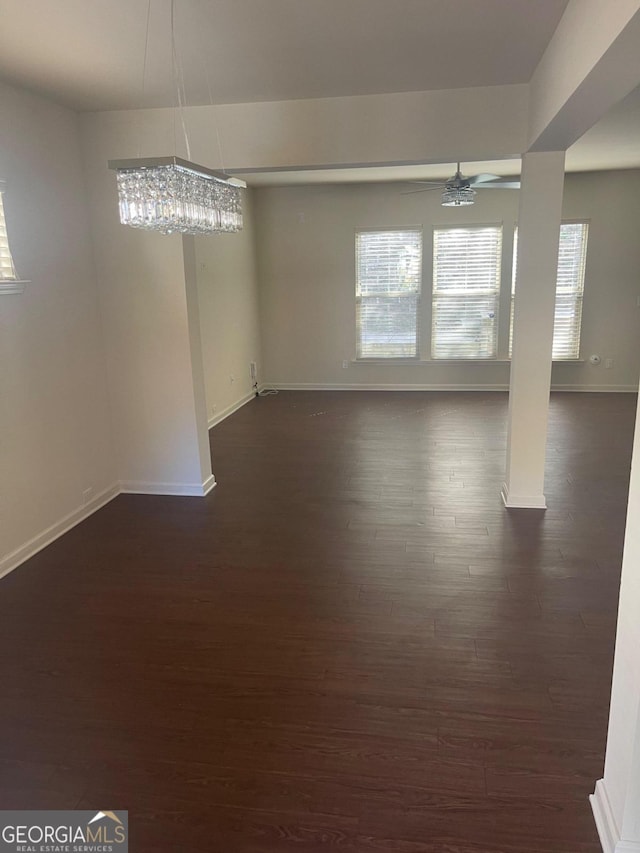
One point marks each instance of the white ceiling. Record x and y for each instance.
(89, 53)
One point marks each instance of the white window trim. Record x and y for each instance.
(10, 286)
(412, 362)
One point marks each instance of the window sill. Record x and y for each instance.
(418, 361)
(8, 286)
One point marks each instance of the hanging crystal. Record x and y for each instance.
(171, 195)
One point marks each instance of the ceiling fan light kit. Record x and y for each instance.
(458, 196)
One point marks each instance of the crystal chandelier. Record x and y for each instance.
(457, 196)
(171, 195)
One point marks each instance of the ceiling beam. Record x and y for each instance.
(361, 130)
(590, 64)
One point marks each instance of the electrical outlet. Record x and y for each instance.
(232, 379)
(253, 371)
(608, 363)
(345, 364)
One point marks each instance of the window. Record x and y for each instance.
(7, 270)
(466, 289)
(388, 283)
(572, 257)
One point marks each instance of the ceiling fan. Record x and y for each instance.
(460, 190)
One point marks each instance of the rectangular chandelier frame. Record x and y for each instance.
(172, 195)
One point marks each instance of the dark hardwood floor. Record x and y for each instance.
(350, 643)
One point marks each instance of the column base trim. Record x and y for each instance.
(208, 485)
(195, 490)
(606, 823)
(512, 501)
(603, 816)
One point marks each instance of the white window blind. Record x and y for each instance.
(466, 288)
(7, 270)
(388, 283)
(572, 256)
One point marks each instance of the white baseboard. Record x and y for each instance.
(512, 501)
(37, 543)
(606, 823)
(504, 387)
(360, 386)
(141, 487)
(220, 416)
(598, 389)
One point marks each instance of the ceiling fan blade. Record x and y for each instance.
(423, 190)
(433, 183)
(499, 185)
(482, 177)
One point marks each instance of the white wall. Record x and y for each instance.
(229, 315)
(617, 799)
(307, 270)
(55, 438)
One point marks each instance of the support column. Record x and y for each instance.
(616, 802)
(538, 237)
(197, 368)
